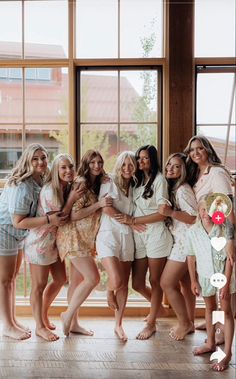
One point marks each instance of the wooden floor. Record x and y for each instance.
(104, 356)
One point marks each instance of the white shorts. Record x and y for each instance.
(112, 243)
(153, 245)
(177, 253)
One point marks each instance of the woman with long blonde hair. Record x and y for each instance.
(115, 243)
(18, 204)
(40, 244)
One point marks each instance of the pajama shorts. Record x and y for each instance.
(10, 243)
(153, 245)
(112, 243)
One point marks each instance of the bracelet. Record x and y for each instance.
(48, 219)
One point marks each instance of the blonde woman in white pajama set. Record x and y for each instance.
(115, 243)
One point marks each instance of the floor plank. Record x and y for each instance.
(104, 356)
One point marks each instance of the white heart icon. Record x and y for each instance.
(218, 243)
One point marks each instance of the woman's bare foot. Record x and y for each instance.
(21, 326)
(203, 349)
(49, 324)
(222, 365)
(111, 300)
(180, 331)
(201, 326)
(76, 328)
(66, 324)
(120, 333)
(147, 332)
(46, 334)
(16, 333)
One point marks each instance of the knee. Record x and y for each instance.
(94, 281)
(210, 308)
(154, 282)
(38, 289)
(137, 284)
(61, 281)
(116, 283)
(7, 282)
(165, 285)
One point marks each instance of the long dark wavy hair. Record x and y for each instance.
(154, 170)
(83, 171)
(192, 167)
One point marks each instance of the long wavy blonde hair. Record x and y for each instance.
(54, 181)
(24, 168)
(117, 175)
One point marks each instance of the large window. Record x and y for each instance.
(33, 108)
(215, 28)
(215, 75)
(216, 109)
(119, 28)
(118, 110)
(110, 46)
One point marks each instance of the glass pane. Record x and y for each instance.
(141, 29)
(10, 147)
(215, 28)
(10, 30)
(102, 138)
(11, 95)
(133, 136)
(23, 282)
(97, 29)
(46, 29)
(214, 92)
(217, 136)
(46, 93)
(53, 137)
(138, 96)
(99, 96)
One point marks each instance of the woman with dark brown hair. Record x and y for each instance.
(76, 240)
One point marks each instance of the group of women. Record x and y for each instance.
(132, 220)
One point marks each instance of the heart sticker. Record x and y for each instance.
(218, 243)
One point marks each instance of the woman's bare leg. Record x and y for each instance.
(113, 269)
(156, 266)
(75, 279)
(7, 285)
(18, 265)
(210, 344)
(170, 278)
(58, 273)
(189, 298)
(39, 278)
(121, 298)
(139, 272)
(88, 269)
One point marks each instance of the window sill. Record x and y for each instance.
(99, 308)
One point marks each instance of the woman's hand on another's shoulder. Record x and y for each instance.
(77, 191)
